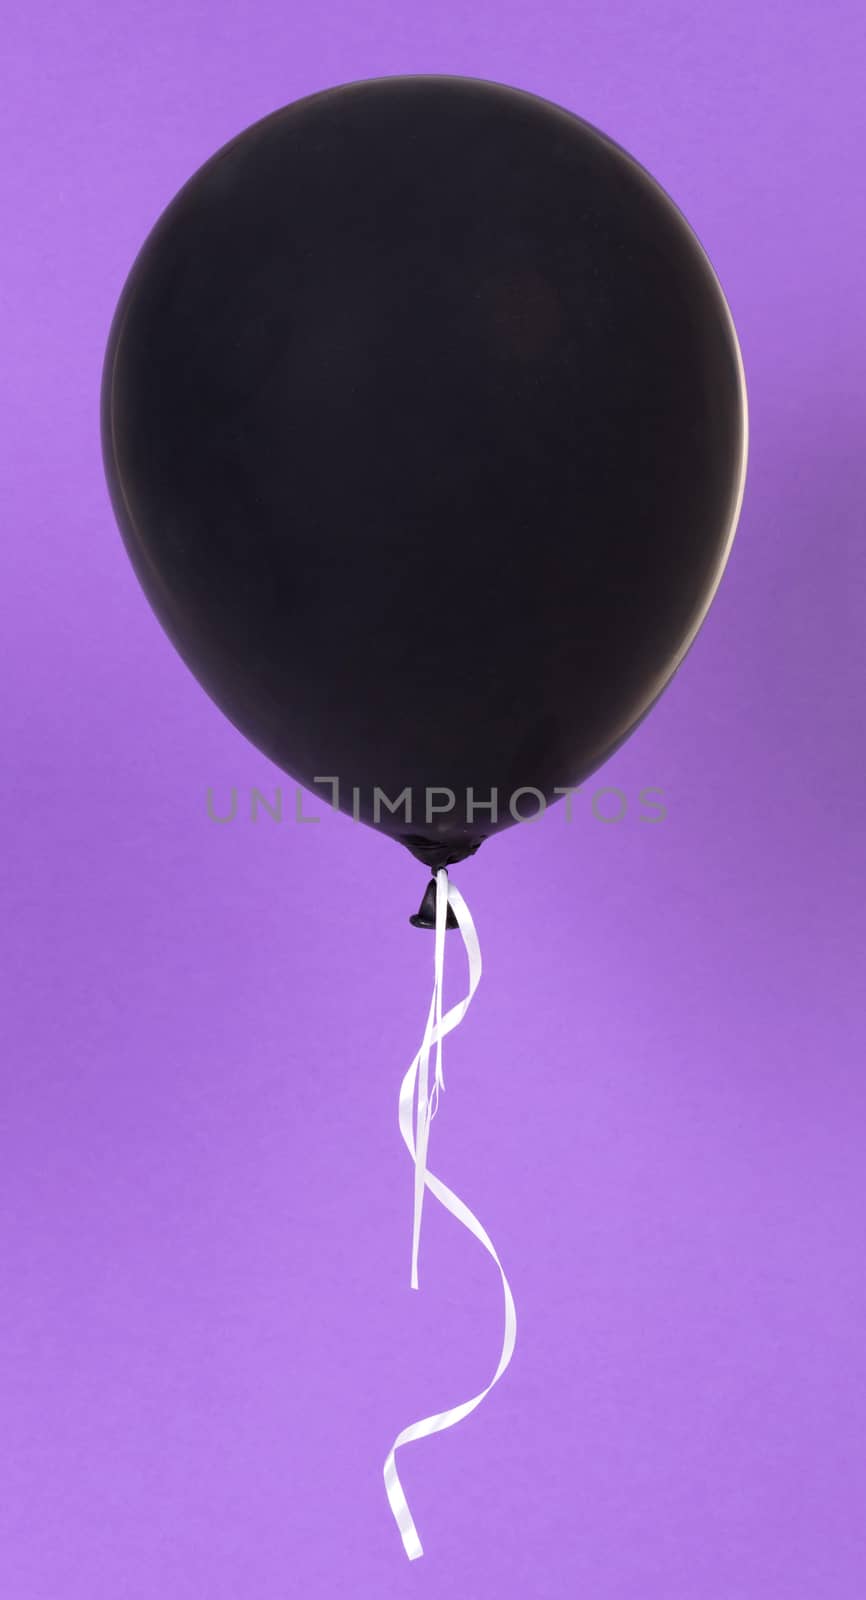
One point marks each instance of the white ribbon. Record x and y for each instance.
(416, 1141)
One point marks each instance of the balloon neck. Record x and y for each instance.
(425, 916)
(436, 853)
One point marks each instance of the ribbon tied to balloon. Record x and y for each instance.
(416, 1095)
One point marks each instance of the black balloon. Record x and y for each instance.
(424, 423)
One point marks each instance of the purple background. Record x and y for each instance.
(656, 1104)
